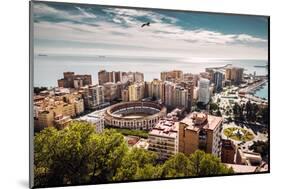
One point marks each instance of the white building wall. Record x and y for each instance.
(203, 91)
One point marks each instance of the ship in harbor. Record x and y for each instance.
(261, 66)
(42, 55)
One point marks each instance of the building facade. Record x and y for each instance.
(156, 89)
(173, 76)
(110, 91)
(136, 91)
(116, 76)
(203, 91)
(234, 74)
(93, 96)
(178, 95)
(70, 80)
(218, 81)
(125, 95)
(169, 93)
(248, 158)
(95, 119)
(228, 151)
(163, 138)
(199, 131)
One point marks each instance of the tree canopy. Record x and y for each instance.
(78, 155)
(251, 112)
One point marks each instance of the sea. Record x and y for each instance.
(262, 92)
(49, 68)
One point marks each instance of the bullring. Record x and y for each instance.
(134, 115)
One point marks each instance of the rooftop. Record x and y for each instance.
(197, 120)
(132, 140)
(142, 143)
(242, 168)
(93, 117)
(168, 126)
(250, 158)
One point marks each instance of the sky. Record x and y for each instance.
(91, 30)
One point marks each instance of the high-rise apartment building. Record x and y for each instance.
(114, 77)
(204, 91)
(125, 95)
(110, 91)
(189, 84)
(174, 76)
(96, 93)
(228, 73)
(199, 131)
(70, 80)
(136, 91)
(178, 95)
(169, 93)
(136, 76)
(237, 75)
(105, 76)
(120, 87)
(234, 74)
(205, 75)
(93, 95)
(156, 89)
(218, 80)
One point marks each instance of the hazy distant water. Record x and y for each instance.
(48, 69)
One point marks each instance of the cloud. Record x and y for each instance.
(42, 11)
(118, 32)
(248, 38)
(85, 13)
(135, 16)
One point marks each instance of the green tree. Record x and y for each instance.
(177, 166)
(109, 148)
(219, 113)
(135, 163)
(203, 164)
(227, 113)
(213, 107)
(62, 156)
(236, 109)
(255, 110)
(261, 147)
(211, 165)
(263, 114)
(149, 171)
(37, 90)
(77, 155)
(195, 159)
